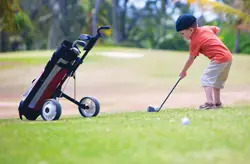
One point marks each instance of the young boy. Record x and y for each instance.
(204, 40)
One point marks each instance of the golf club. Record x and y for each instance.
(157, 109)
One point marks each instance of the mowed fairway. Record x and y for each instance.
(215, 136)
(126, 80)
(123, 132)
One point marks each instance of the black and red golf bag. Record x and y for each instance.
(41, 97)
(44, 87)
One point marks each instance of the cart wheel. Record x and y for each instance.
(91, 107)
(51, 110)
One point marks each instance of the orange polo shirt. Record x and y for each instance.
(205, 41)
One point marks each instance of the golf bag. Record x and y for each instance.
(40, 98)
(44, 87)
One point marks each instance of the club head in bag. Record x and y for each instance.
(79, 42)
(84, 37)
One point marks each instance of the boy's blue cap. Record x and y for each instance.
(184, 21)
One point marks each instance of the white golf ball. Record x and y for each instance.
(185, 121)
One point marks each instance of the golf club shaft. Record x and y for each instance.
(169, 93)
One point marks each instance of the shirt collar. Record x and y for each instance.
(195, 32)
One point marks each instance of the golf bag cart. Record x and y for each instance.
(41, 97)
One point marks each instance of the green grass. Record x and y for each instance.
(24, 58)
(156, 64)
(215, 136)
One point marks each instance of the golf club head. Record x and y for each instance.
(153, 109)
(84, 37)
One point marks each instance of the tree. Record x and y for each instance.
(65, 21)
(94, 17)
(163, 6)
(59, 9)
(115, 17)
(122, 21)
(241, 12)
(8, 9)
(119, 13)
(219, 7)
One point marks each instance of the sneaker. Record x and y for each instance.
(206, 106)
(218, 105)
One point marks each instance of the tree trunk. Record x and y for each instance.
(94, 22)
(59, 28)
(55, 31)
(123, 21)
(237, 38)
(201, 20)
(163, 6)
(4, 46)
(115, 21)
(237, 41)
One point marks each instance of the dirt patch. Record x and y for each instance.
(124, 55)
(120, 102)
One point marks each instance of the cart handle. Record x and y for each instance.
(102, 28)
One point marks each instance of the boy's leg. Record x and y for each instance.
(208, 78)
(220, 81)
(216, 92)
(209, 94)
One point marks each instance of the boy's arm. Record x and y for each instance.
(215, 29)
(188, 63)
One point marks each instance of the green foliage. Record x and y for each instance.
(22, 21)
(246, 4)
(37, 26)
(173, 42)
(228, 36)
(214, 136)
(153, 29)
(9, 10)
(219, 7)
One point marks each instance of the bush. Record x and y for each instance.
(175, 43)
(228, 36)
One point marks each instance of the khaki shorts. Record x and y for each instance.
(215, 75)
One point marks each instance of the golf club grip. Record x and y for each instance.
(169, 93)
